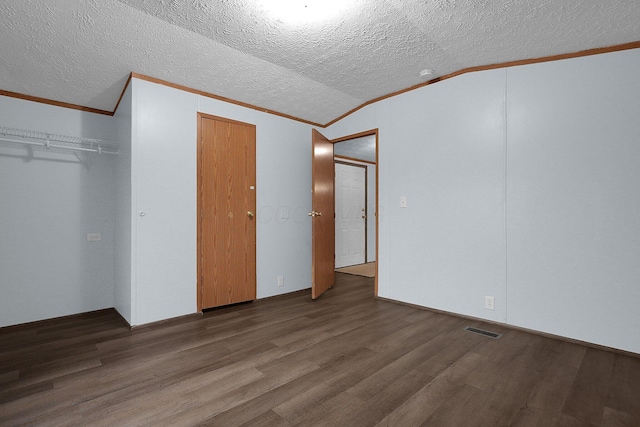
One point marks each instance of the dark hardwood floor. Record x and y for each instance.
(346, 359)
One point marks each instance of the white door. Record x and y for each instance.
(351, 214)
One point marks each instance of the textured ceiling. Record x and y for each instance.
(363, 148)
(82, 51)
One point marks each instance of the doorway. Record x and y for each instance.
(226, 212)
(361, 150)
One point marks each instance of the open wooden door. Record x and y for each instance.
(322, 214)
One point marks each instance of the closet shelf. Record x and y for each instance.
(62, 142)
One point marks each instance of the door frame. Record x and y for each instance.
(199, 284)
(370, 132)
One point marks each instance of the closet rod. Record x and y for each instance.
(47, 140)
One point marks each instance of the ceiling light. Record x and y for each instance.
(426, 72)
(304, 11)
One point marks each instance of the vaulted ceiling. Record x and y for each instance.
(82, 51)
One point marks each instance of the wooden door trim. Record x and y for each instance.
(222, 119)
(371, 132)
(199, 168)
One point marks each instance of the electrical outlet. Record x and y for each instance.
(94, 237)
(489, 303)
(280, 281)
(403, 201)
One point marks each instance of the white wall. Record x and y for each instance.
(573, 218)
(521, 184)
(164, 178)
(50, 201)
(123, 275)
(164, 205)
(284, 186)
(447, 248)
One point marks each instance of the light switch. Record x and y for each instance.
(94, 237)
(403, 202)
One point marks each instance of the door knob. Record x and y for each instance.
(314, 214)
(250, 214)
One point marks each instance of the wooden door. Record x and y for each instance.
(323, 214)
(226, 207)
(351, 214)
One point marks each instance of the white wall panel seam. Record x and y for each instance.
(505, 207)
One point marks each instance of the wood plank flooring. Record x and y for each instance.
(345, 359)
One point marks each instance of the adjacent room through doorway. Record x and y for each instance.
(355, 160)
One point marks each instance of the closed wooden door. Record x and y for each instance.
(351, 214)
(323, 215)
(226, 212)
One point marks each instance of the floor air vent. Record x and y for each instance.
(483, 332)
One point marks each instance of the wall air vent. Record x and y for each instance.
(483, 332)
